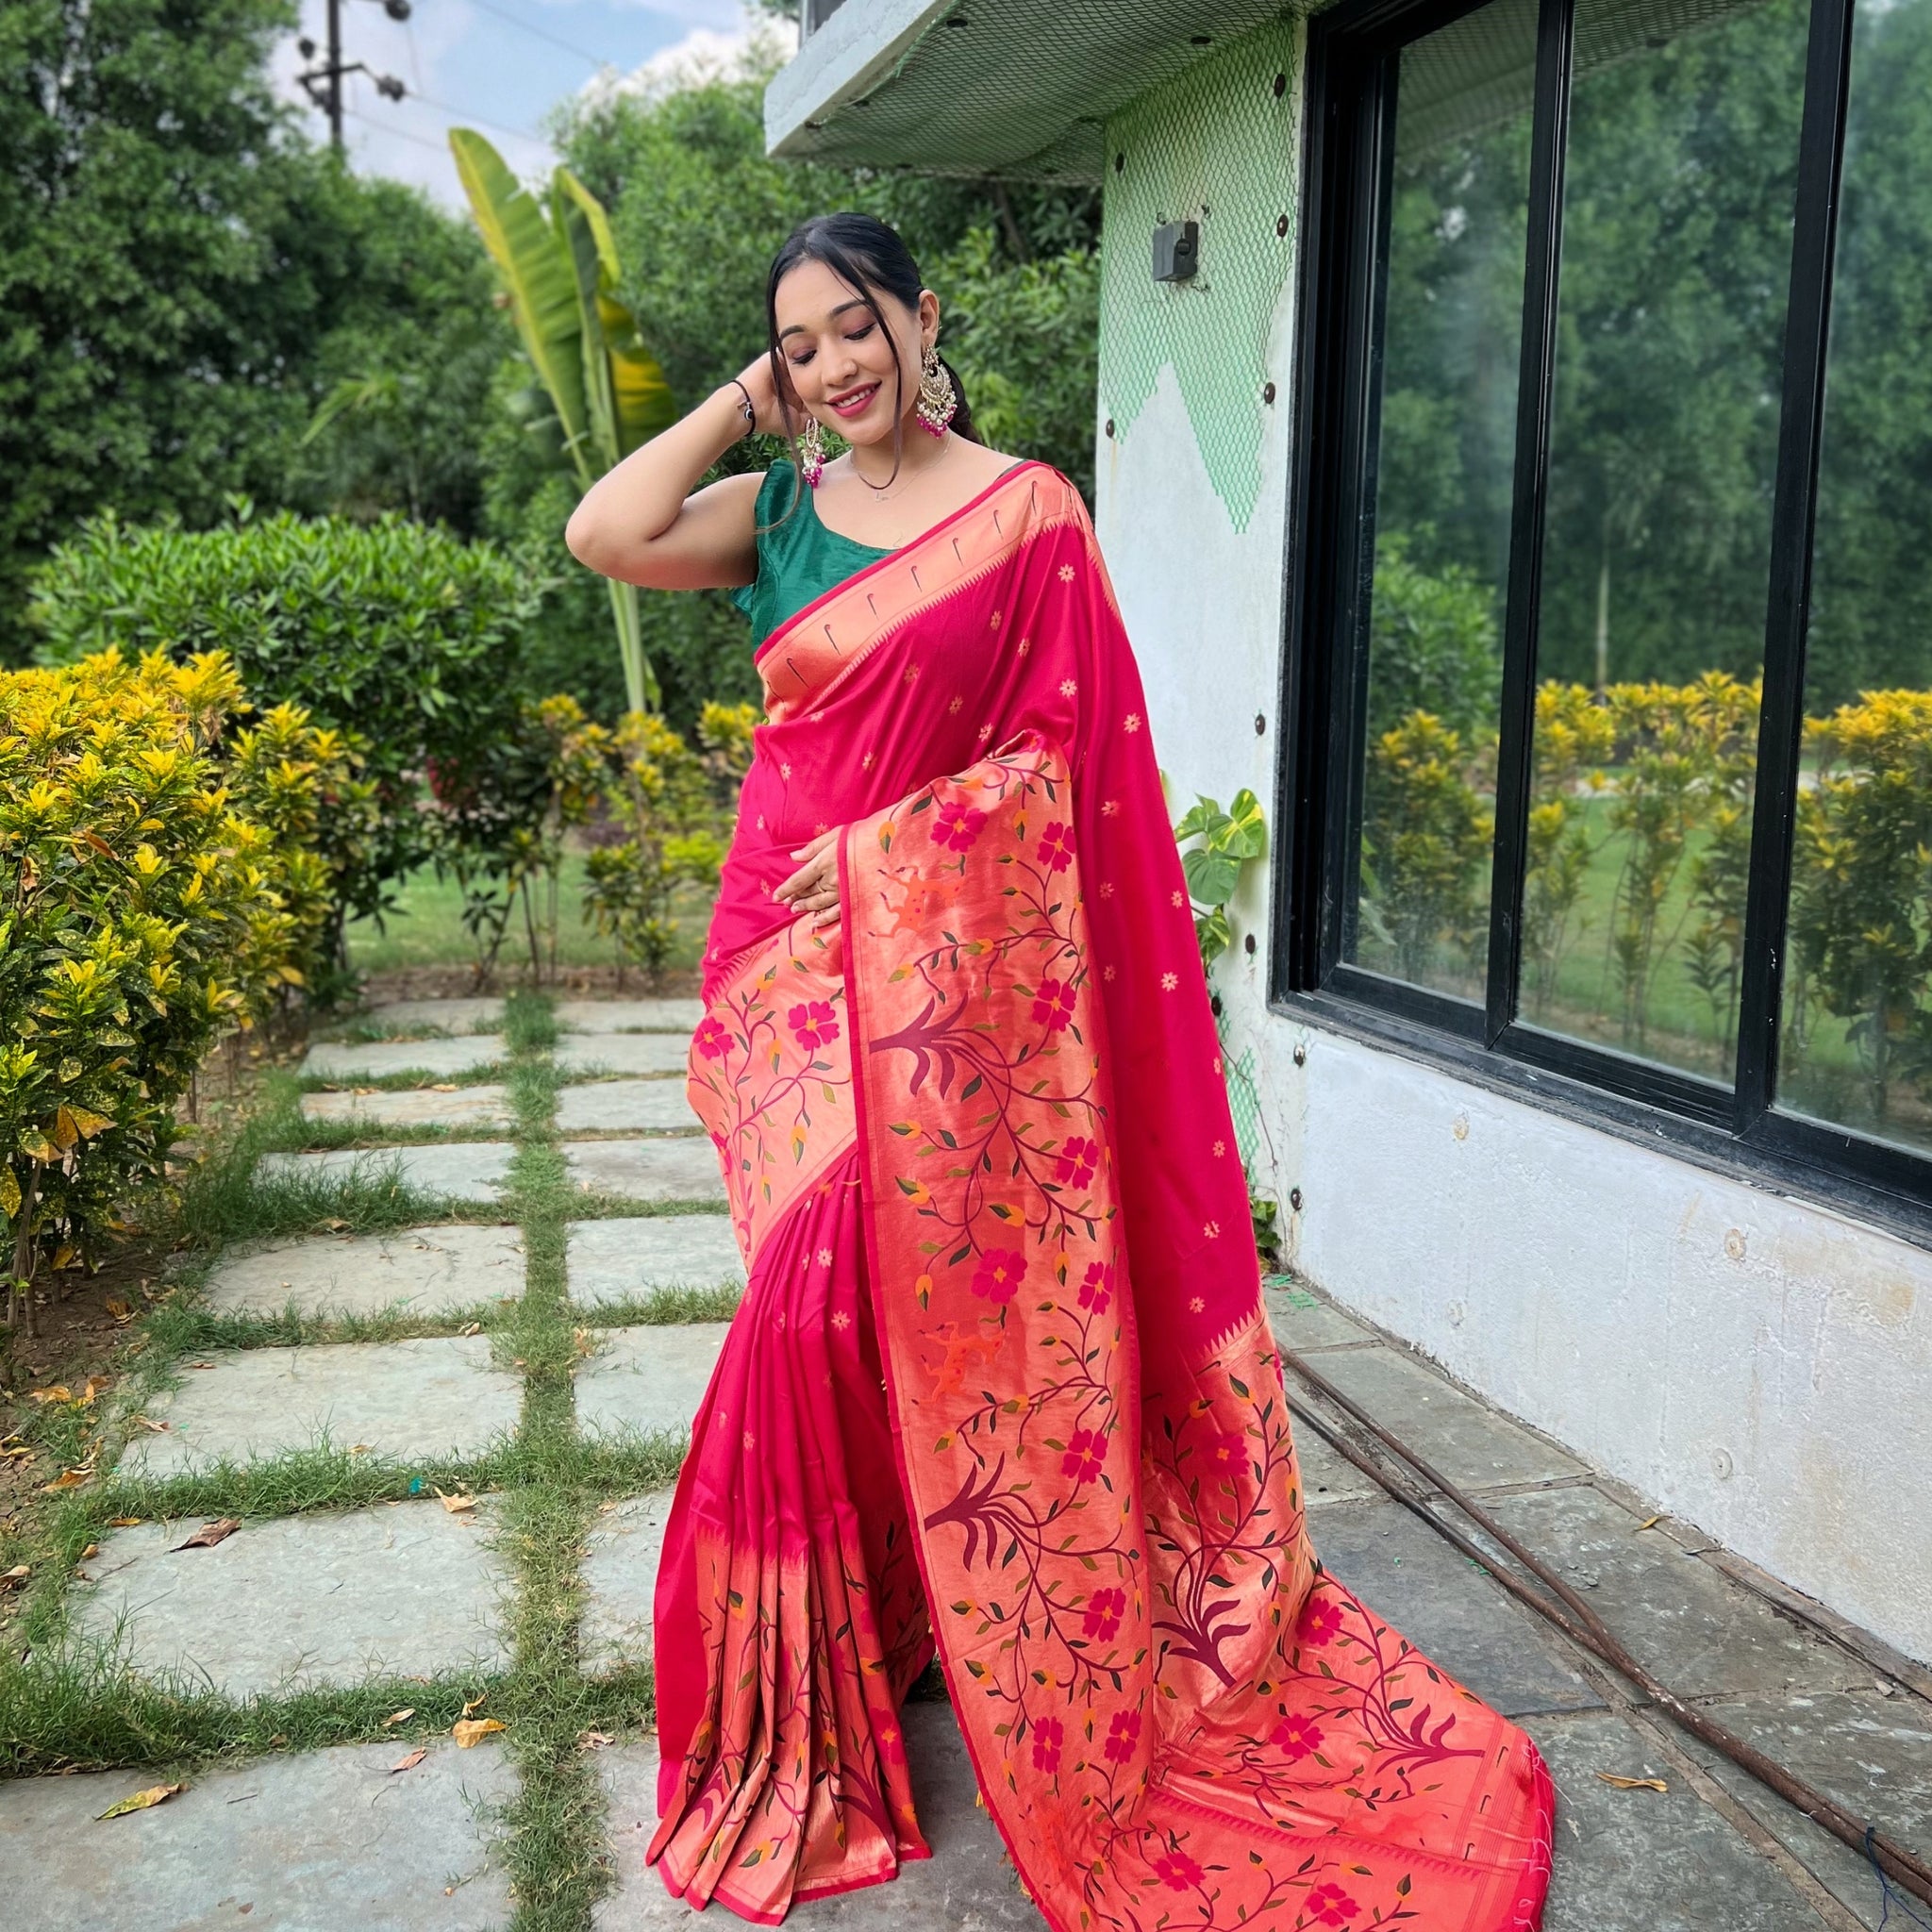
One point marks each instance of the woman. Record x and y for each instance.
(1001, 1385)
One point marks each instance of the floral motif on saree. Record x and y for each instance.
(1175, 1716)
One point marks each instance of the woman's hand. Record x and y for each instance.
(814, 886)
(767, 407)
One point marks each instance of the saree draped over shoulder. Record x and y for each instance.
(1002, 1384)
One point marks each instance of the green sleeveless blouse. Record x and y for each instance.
(799, 559)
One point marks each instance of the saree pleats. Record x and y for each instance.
(788, 1611)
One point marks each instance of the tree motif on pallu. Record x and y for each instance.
(1024, 1239)
(1214, 1491)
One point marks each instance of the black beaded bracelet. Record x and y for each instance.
(750, 414)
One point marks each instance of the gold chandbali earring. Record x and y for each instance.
(939, 401)
(811, 452)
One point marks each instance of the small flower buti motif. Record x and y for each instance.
(819, 830)
(996, 616)
(866, 763)
(762, 821)
(751, 1441)
(1211, 1230)
(1107, 889)
(817, 718)
(984, 732)
(1197, 1306)
(912, 674)
(1174, 900)
(1066, 572)
(1111, 808)
(956, 704)
(1026, 645)
(1107, 973)
(1215, 1063)
(1219, 1149)
(841, 1320)
(784, 770)
(824, 1258)
(1169, 981)
(1068, 687)
(1132, 721)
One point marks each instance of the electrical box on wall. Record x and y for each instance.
(1176, 251)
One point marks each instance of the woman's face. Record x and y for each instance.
(841, 362)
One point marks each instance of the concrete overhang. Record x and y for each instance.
(1012, 88)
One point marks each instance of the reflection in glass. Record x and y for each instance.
(1857, 1019)
(1453, 298)
(1678, 195)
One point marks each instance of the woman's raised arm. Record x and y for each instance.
(641, 523)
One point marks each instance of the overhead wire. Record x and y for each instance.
(599, 60)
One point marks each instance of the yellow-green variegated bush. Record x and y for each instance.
(155, 892)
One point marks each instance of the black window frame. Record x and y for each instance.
(1347, 169)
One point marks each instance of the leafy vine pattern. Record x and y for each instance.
(1156, 1681)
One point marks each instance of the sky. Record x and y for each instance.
(500, 66)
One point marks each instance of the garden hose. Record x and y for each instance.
(1581, 1624)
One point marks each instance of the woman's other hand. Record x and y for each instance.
(814, 886)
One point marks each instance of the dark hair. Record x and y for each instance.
(870, 259)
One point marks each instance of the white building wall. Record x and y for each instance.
(1758, 1365)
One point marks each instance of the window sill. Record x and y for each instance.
(1769, 1169)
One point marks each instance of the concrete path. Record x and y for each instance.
(326, 1600)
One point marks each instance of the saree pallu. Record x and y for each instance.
(1002, 1384)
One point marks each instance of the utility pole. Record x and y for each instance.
(323, 84)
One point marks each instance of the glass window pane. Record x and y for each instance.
(1453, 301)
(1679, 186)
(1857, 1017)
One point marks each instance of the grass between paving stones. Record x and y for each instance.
(403, 1080)
(664, 1307)
(66, 1703)
(556, 1824)
(595, 1206)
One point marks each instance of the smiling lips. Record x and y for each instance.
(856, 402)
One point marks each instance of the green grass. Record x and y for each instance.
(426, 928)
(68, 1704)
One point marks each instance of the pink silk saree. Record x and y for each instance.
(1002, 1384)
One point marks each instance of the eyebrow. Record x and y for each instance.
(798, 328)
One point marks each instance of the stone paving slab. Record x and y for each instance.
(626, 1259)
(420, 1107)
(1648, 1862)
(464, 1171)
(309, 1842)
(619, 1581)
(966, 1885)
(625, 1107)
(399, 1591)
(1405, 1573)
(379, 1059)
(649, 1381)
(1304, 1320)
(1701, 1634)
(667, 1169)
(1472, 1444)
(455, 1016)
(623, 1052)
(424, 1271)
(1328, 1478)
(411, 1400)
(629, 1016)
(1872, 1753)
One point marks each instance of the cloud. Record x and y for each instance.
(759, 44)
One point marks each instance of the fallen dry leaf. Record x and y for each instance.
(467, 1730)
(443, 1086)
(12, 1579)
(408, 1763)
(358, 1448)
(91, 1550)
(210, 1534)
(122, 1311)
(399, 1717)
(471, 1328)
(1633, 1784)
(456, 1505)
(595, 1740)
(59, 1393)
(125, 1522)
(476, 1703)
(142, 1801)
(1649, 1522)
(67, 1479)
(143, 1421)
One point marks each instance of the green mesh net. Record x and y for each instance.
(1220, 146)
